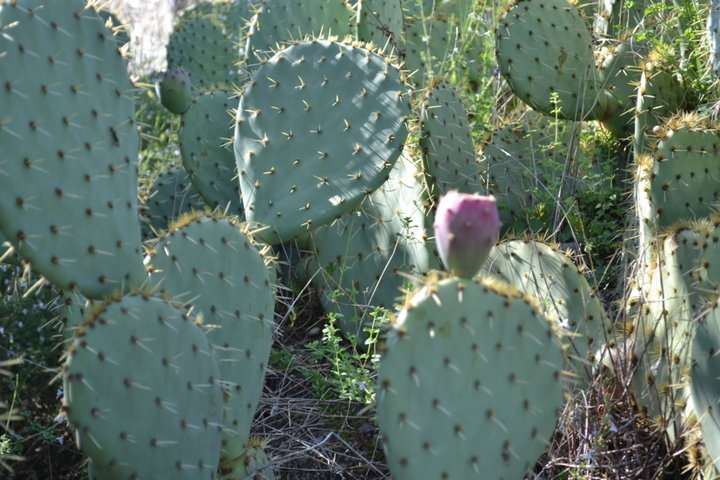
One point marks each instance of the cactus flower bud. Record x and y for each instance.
(174, 90)
(466, 229)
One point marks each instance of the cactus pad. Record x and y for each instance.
(704, 381)
(470, 384)
(277, 22)
(209, 160)
(170, 195)
(537, 269)
(318, 129)
(447, 142)
(200, 47)
(141, 392)
(209, 264)
(69, 147)
(544, 48)
(362, 253)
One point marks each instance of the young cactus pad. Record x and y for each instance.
(318, 128)
(174, 90)
(466, 229)
(141, 392)
(209, 264)
(68, 201)
(470, 384)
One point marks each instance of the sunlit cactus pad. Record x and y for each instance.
(318, 129)
(540, 270)
(470, 384)
(68, 200)
(681, 177)
(544, 49)
(142, 393)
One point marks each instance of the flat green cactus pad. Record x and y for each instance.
(141, 392)
(201, 48)
(683, 173)
(564, 294)
(544, 49)
(277, 22)
(207, 127)
(318, 129)
(68, 201)
(470, 384)
(447, 144)
(210, 265)
(170, 195)
(705, 383)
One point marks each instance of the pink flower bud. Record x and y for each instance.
(466, 229)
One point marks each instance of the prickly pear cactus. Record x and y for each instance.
(620, 74)
(233, 16)
(447, 143)
(544, 48)
(664, 329)
(427, 43)
(206, 151)
(381, 22)
(360, 256)
(207, 263)
(119, 30)
(318, 129)
(470, 383)
(563, 293)
(142, 393)
(170, 195)
(521, 161)
(680, 179)
(200, 47)
(69, 147)
(705, 384)
(659, 95)
(256, 463)
(280, 21)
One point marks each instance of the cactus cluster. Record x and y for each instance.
(338, 127)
